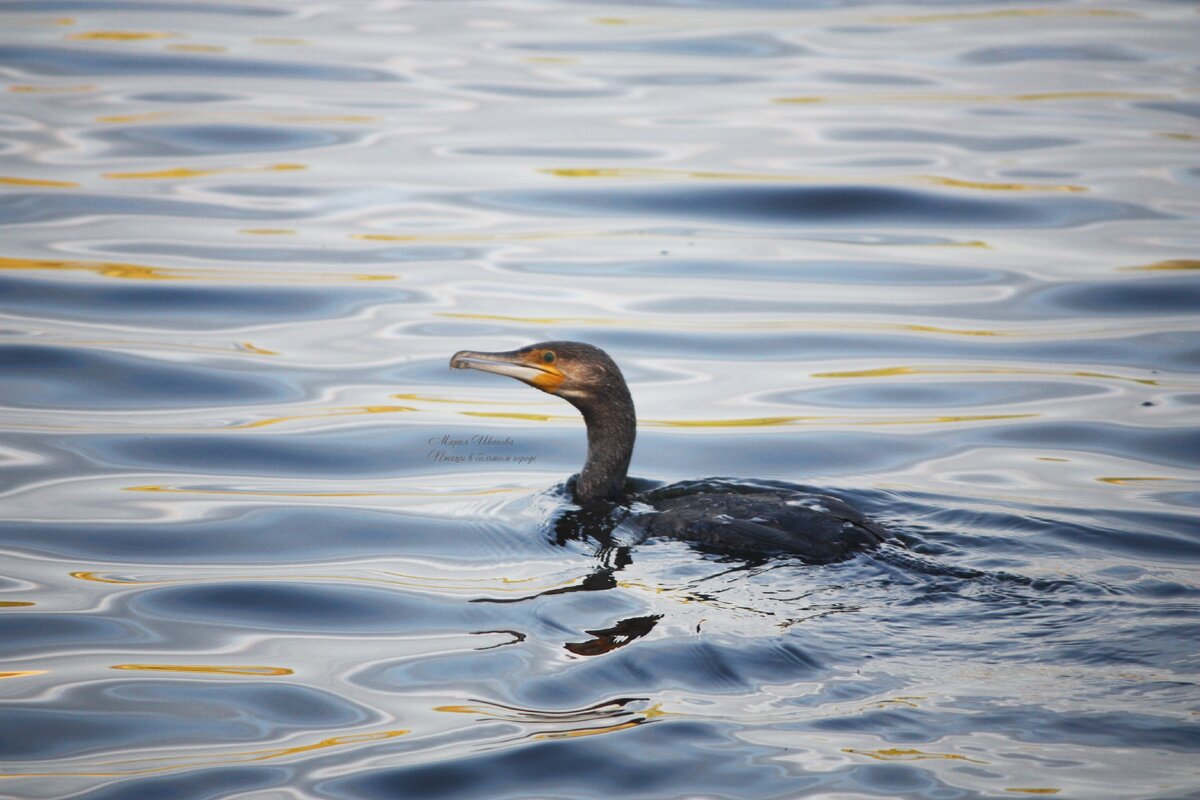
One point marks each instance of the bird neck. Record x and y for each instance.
(611, 430)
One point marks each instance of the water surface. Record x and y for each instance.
(936, 258)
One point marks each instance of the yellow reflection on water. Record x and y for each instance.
(203, 759)
(207, 669)
(767, 422)
(906, 701)
(15, 603)
(1169, 265)
(189, 172)
(348, 411)
(892, 372)
(122, 36)
(25, 673)
(633, 723)
(1127, 481)
(140, 272)
(10, 180)
(1035, 791)
(907, 754)
(95, 577)
(148, 116)
(1000, 187)
(163, 489)
(740, 325)
(951, 331)
(430, 399)
(513, 415)
(107, 269)
(32, 89)
(763, 177)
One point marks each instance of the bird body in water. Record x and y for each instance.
(719, 516)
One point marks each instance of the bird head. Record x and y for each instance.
(572, 370)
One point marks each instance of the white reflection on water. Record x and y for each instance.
(938, 259)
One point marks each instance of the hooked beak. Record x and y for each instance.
(510, 364)
(499, 363)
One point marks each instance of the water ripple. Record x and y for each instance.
(260, 541)
(56, 61)
(807, 206)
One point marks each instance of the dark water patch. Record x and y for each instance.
(658, 759)
(99, 716)
(314, 608)
(964, 529)
(378, 449)
(40, 376)
(235, 252)
(145, 6)
(28, 633)
(43, 60)
(976, 143)
(1134, 643)
(483, 673)
(277, 704)
(179, 306)
(800, 271)
(295, 534)
(1181, 107)
(1139, 540)
(157, 141)
(931, 395)
(183, 97)
(709, 667)
(876, 78)
(731, 46)
(1010, 54)
(752, 204)
(1177, 447)
(198, 784)
(32, 207)
(1159, 295)
(1022, 723)
(271, 191)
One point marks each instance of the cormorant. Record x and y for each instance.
(726, 517)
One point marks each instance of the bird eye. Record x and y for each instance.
(548, 356)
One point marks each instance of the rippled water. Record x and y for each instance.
(938, 259)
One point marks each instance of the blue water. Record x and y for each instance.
(938, 259)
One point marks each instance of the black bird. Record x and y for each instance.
(722, 516)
